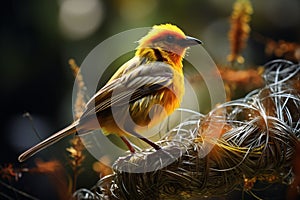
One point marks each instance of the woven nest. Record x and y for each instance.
(237, 143)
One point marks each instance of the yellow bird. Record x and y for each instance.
(142, 92)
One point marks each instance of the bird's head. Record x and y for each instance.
(169, 40)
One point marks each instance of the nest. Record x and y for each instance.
(237, 143)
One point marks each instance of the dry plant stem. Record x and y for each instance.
(53, 169)
(24, 194)
(281, 48)
(76, 159)
(76, 150)
(80, 101)
(75, 174)
(239, 29)
(245, 80)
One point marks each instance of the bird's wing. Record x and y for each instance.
(143, 80)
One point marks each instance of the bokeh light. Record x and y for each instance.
(79, 19)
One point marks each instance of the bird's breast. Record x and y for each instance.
(153, 108)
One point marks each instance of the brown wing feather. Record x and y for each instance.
(131, 86)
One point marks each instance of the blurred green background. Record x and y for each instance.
(39, 36)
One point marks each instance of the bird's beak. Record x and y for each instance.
(190, 41)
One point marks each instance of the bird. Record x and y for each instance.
(142, 92)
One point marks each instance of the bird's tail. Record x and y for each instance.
(71, 129)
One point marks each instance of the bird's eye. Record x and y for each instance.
(170, 39)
